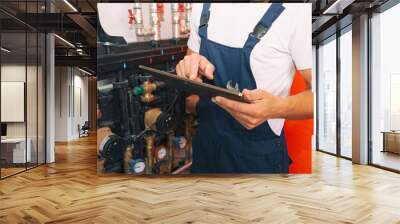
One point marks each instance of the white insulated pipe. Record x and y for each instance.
(175, 21)
(137, 10)
(188, 11)
(155, 22)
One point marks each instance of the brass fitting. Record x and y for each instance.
(150, 117)
(148, 88)
(149, 149)
(127, 157)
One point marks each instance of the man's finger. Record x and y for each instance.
(198, 79)
(243, 119)
(234, 105)
(186, 66)
(194, 67)
(253, 95)
(206, 68)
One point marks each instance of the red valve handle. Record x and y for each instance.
(131, 17)
(181, 7)
(160, 8)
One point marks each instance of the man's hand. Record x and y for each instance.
(193, 66)
(263, 106)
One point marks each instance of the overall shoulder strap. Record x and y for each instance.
(205, 16)
(262, 27)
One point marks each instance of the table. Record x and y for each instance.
(391, 141)
(13, 150)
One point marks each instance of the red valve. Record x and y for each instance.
(181, 7)
(160, 8)
(131, 18)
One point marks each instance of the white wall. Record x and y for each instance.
(70, 83)
(16, 73)
(61, 103)
(33, 126)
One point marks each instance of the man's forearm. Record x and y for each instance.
(299, 106)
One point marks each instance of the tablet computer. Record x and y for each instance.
(190, 86)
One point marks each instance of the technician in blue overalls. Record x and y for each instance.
(258, 46)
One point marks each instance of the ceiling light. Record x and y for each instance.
(5, 50)
(65, 41)
(84, 71)
(70, 5)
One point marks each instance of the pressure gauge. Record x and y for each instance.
(161, 153)
(180, 142)
(137, 166)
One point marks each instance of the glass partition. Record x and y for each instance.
(385, 89)
(13, 94)
(346, 92)
(22, 77)
(31, 98)
(327, 96)
(41, 110)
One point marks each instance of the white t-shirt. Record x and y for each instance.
(274, 59)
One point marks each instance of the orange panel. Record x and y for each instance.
(298, 135)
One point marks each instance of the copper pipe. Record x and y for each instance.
(127, 157)
(150, 117)
(188, 133)
(171, 150)
(149, 152)
(183, 168)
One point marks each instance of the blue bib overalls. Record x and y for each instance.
(221, 144)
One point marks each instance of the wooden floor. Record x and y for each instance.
(387, 159)
(70, 191)
(10, 171)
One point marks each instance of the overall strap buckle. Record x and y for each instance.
(262, 27)
(204, 19)
(259, 31)
(205, 16)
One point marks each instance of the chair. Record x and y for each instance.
(84, 130)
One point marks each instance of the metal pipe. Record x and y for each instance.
(155, 22)
(127, 158)
(139, 27)
(137, 9)
(182, 168)
(188, 133)
(150, 118)
(149, 152)
(175, 20)
(188, 12)
(171, 150)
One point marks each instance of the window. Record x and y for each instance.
(327, 96)
(22, 88)
(385, 89)
(346, 92)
